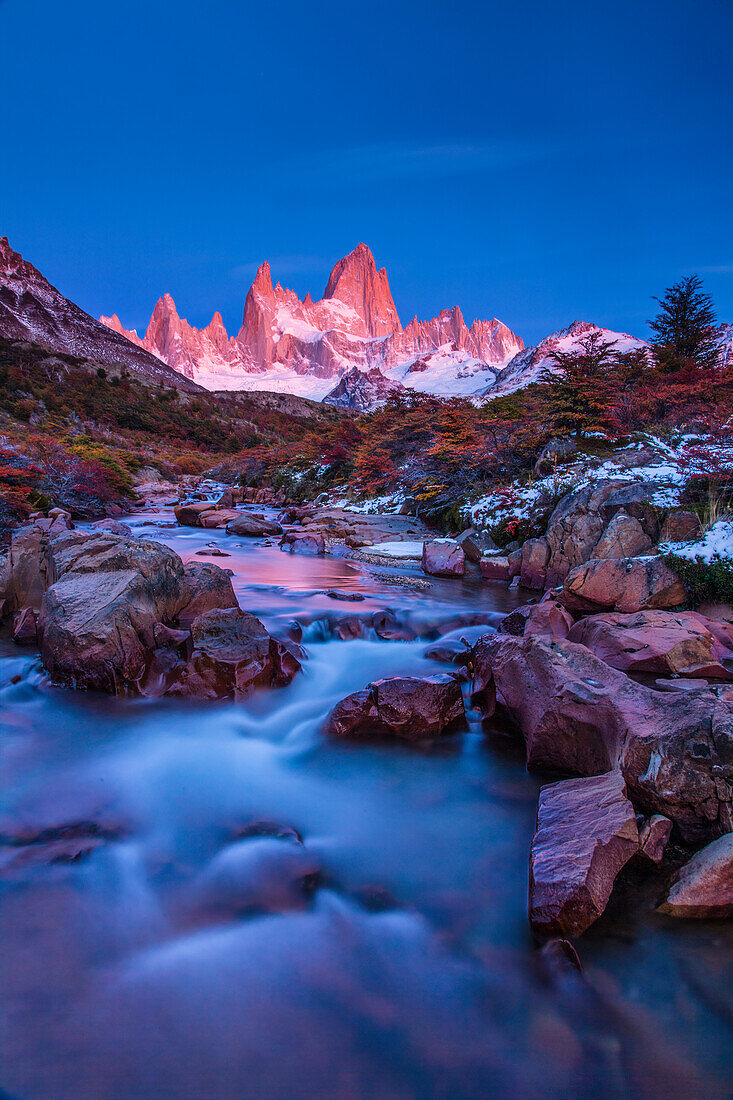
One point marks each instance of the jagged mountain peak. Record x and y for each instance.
(356, 282)
(306, 346)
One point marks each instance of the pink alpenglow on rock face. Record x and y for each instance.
(443, 558)
(586, 833)
(306, 347)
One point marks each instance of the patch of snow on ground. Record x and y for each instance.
(391, 504)
(717, 542)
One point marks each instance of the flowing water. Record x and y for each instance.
(198, 951)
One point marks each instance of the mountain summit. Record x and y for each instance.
(306, 347)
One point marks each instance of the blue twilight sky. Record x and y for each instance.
(537, 160)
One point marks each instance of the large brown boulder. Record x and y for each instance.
(232, 655)
(680, 526)
(623, 538)
(310, 543)
(586, 832)
(443, 558)
(546, 619)
(495, 567)
(219, 517)
(253, 526)
(622, 584)
(654, 641)
(408, 707)
(204, 588)
(24, 577)
(574, 529)
(579, 715)
(703, 888)
(535, 557)
(97, 617)
(189, 515)
(635, 499)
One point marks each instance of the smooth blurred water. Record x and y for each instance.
(199, 952)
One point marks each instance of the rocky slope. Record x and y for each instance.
(32, 310)
(306, 347)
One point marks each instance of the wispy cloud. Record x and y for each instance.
(402, 160)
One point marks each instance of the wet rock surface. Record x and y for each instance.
(703, 888)
(409, 708)
(586, 833)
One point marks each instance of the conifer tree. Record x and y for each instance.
(683, 328)
(583, 387)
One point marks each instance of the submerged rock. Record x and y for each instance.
(586, 832)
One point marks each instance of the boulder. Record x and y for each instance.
(535, 557)
(218, 517)
(443, 558)
(232, 655)
(25, 630)
(310, 544)
(495, 568)
(546, 619)
(663, 642)
(97, 617)
(703, 888)
(680, 526)
(204, 588)
(189, 515)
(253, 526)
(579, 715)
(653, 837)
(635, 499)
(474, 544)
(114, 526)
(409, 707)
(586, 833)
(24, 576)
(623, 538)
(574, 529)
(622, 584)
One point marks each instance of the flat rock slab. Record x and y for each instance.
(703, 889)
(586, 832)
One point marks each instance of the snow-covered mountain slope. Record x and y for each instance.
(527, 366)
(33, 310)
(305, 347)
